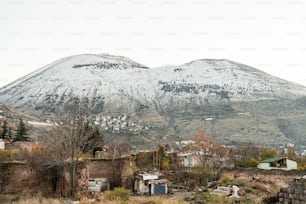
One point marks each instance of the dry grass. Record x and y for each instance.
(156, 200)
(25, 199)
(144, 200)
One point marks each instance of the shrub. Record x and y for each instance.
(118, 194)
(227, 180)
(268, 153)
(199, 176)
(249, 163)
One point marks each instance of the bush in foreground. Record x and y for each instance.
(118, 194)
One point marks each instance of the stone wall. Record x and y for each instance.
(26, 179)
(294, 194)
(119, 172)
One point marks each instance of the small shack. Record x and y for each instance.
(98, 184)
(150, 184)
(277, 163)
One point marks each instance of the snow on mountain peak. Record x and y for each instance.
(172, 100)
(121, 82)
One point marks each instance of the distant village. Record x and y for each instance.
(193, 165)
(118, 124)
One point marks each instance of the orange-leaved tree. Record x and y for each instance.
(211, 154)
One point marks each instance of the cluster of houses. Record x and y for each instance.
(118, 124)
(189, 159)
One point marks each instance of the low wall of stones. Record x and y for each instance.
(294, 194)
(24, 179)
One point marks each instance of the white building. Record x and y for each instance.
(150, 184)
(2, 144)
(188, 159)
(277, 163)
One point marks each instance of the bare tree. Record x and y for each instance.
(74, 135)
(246, 155)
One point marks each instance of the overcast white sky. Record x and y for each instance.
(269, 35)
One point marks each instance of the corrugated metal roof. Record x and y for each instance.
(149, 177)
(271, 160)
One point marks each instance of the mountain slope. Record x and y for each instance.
(11, 117)
(165, 102)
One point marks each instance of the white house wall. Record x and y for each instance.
(265, 166)
(291, 164)
(141, 187)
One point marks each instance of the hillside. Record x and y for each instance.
(10, 120)
(149, 105)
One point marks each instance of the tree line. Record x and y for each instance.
(14, 134)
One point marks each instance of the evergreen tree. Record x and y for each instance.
(22, 131)
(9, 135)
(4, 130)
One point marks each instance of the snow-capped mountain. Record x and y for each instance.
(114, 79)
(151, 97)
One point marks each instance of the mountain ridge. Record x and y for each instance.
(172, 101)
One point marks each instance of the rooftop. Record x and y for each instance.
(271, 160)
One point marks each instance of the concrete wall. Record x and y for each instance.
(291, 164)
(265, 166)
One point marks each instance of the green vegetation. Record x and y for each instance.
(22, 132)
(119, 194)
(251, 155)
(248, 163)
(301, 163)
(144, 160)
(154, 160)
(9, 132)
(267, 153)
(200, 175)
(161, 159)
